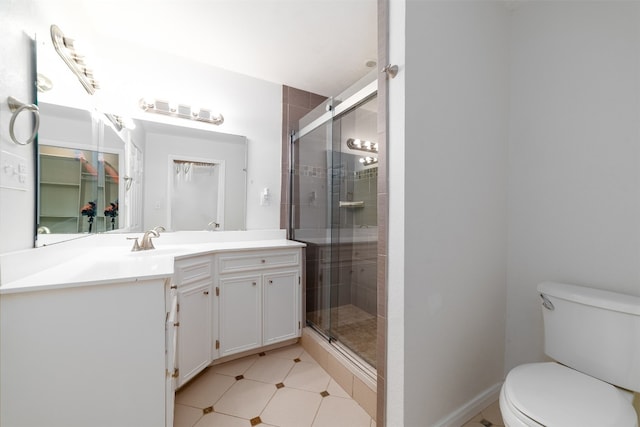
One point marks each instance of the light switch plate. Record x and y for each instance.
(13, 171)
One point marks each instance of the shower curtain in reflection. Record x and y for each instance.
(194, 195)
(334, 211)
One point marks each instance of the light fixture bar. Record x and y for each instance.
(368, 161)
(181, 111)
(74, 59)
(362, 145)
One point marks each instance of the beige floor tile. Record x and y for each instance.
(292, 408)
(339, 412)
(221, 420)
(334, 389)
(492, 414)
(204, 390)
(269, 369)
(235, 367)
(245, 399)
(186, 416)
(306, 357)
(290, 352)
(308, 376)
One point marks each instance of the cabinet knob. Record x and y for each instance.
(206, 292)
(270, 282)
(263, 261)
(253, 283)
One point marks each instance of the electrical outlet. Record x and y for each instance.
(13, 171)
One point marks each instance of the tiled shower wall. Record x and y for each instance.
(296, 104)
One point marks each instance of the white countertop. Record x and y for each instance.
(111, 264)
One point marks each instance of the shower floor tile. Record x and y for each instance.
(354, 328)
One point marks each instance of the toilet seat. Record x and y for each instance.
(550, 394)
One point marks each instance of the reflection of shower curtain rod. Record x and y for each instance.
(183, 162)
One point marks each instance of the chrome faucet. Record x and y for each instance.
(146, 243)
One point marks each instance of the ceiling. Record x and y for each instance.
(321, 46)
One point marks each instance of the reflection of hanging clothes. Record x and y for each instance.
(111, 171)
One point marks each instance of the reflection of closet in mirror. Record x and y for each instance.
(79, 190)
(196, 194)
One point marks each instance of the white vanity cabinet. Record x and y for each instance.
(196, 318)
(91, 355)
(259, 298)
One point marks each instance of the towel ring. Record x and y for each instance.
(16, 108)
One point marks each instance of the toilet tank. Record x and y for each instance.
(593, 331)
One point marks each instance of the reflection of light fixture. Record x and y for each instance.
(362, 145)
(367, 161)
(181, 110)
(43, 83)
(120, 122)
(74, 59)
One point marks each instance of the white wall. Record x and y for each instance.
(456, 131)
(396, 228)
(574, 157)
(540, 101)
(17, 223)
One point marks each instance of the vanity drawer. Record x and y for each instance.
(229, 263)
(194, 269)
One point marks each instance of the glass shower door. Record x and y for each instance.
(334, 211)
(311, 212)
(353, 322)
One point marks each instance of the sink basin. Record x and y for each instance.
(159, 251)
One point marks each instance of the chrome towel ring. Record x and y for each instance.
(16, 108)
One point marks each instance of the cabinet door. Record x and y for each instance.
(240, 314)
(194, 331)
(281, 310)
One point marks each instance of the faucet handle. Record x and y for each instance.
(136, 245)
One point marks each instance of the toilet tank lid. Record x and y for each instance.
(593, 297)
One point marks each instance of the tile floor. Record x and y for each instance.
(279, 388)
(490, 417)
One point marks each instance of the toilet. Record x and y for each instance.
(593, 336)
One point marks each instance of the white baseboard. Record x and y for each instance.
(471, 408)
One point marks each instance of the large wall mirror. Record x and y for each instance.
(92, 176)
(95, 175)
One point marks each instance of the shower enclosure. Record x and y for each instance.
(334, 211)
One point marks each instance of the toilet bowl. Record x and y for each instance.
(550, 394)
(593, 336)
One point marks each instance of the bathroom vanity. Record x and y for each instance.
(103, 336)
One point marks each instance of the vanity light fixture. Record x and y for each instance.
(120, 122)
(362, 145)
(368, 161)
(181, 110)
(75, 60)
